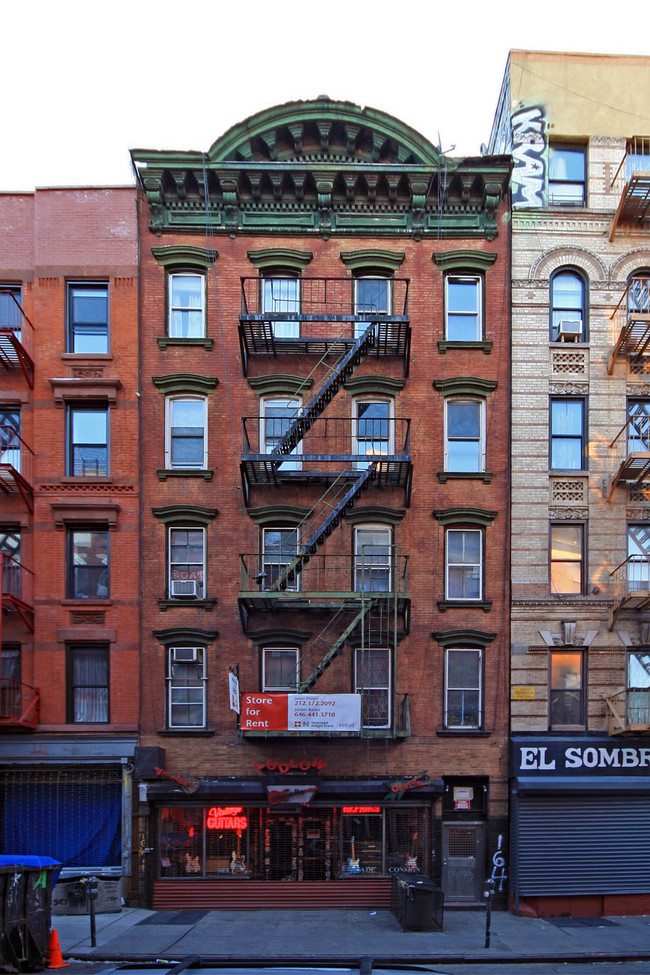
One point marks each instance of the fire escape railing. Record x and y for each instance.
(16, 336)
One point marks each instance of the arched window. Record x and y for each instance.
(568, 307)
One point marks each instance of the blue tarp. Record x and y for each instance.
(32, 861)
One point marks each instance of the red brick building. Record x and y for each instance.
(69, 524)
(325, 408)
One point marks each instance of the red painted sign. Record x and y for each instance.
(290, 766)
(360, 810)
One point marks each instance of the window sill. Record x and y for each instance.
(166, 340)
(445, 604)
(485, 476)
(484, 346)
(463, 733)
(87, 479)
(569, 472)
(91, 356)
(207, 474)
(557, 344)
(80, 603)
(183, 732)
(165, 604)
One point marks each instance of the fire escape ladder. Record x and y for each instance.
(335, 648)
(338, 375)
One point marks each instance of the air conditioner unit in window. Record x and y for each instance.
(569, 328)
(184, 655)
(185, 587)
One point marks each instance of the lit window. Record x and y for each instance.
(566, 176)
(281, 296)
(88, 564)
(373, 563)
(186, 306)
(186, 687)
(88, 441)
(372, 679)
(88, 318)
(463, 318)
(186, 442)
(187, 563)
(566, 692)
(280, 548)
(88, 684)
(464, 563)
(464, 435)
(463, 688)
(568, 434)
(280, 669)
(567, 559)
(373, 430)
(568, 307)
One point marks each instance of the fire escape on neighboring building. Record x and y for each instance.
(19, 703)
(364, 595)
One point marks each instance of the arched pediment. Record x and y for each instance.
(569, 256)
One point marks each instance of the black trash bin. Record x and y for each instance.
(416, 902)
(26, 884)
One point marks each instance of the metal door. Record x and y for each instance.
(463, 862)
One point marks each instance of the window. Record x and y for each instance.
(11, 579)
(567, 559)
(186, 306)
(638, 425)
(464, 573)
(280, 669)
(88, 684)
(88, 441)
(637, 686)
(280, 547)
(372, 680)
(566, 691)
(638, 558)
(10, 309)
(88, 318)
(568, 307)
(11, 703)
(186, 442)
(568, 438)
(187, 563)
(566, 176)
(464, 435)
(277, 417)
(10, 443)
(186, 687)
(373, 296)
(638, 293)
(372, 554)
(281, 296)
(463, 688)
(373, 429)
(463, 300)
(88, 564)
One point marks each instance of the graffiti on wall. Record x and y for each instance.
(499, 873)
(530, 154)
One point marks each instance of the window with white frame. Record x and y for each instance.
(281, 296)
(373, 296)
(88, 563)
(373, 558)
(566, 175)
(186, 305)
(187, 562)
(463, 688)
(88, 317)
(568, 306)
(373, 429)
(186, 433)
(280, 669)
(463, 307)
(186, 687)
(277, 416)
(464, 569)
(279, 548)
(372, 680)
(464, 435)
(88, 684)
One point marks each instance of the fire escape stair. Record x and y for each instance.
(337, 646)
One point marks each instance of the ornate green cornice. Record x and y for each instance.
(372, 258)
(284, 257)
(275, 514)
(184, 255)
(378, 385)
(322, 168)
(279, 385)
(465, 260)
(374, 512)
(175, 635)
(185, 512)
(185, 382)
(463, 638)
(465, 386)
(465, 516)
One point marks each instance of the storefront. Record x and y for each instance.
(580, 826)
(299, 837)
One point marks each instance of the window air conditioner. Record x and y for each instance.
(570, 328)
(184, 587)
(184, 655)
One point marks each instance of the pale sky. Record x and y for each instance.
(82, 82)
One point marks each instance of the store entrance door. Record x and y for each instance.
(463, 862)
(298, 846)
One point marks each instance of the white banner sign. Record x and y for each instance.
(233, 689)
(315, 712)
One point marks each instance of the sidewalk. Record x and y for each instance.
(135, 934)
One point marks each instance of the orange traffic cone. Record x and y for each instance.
(54, 957)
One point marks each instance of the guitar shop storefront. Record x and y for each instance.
(287, 842)
(580, 822)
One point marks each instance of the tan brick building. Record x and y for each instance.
(325, 403)
(578, 128)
